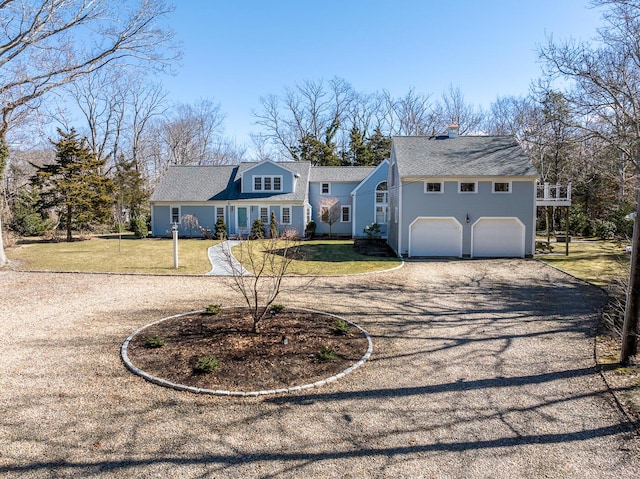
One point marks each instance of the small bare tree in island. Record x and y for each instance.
(258, 268)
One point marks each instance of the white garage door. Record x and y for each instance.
(497, 238)
(435, 237)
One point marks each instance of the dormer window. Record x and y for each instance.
(267, 183)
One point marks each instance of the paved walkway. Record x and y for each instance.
(223, 263)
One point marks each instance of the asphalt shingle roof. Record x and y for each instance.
(420, 156)
(340, 173)
(221, 183)
(194, 183)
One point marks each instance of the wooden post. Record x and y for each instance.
(566, 236)
(632, 309)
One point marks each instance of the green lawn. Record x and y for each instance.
(328, 257)
(596, 262)
(155, 256)
(108, 254)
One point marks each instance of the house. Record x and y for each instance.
(447, 196)
(236, 193)
(461, 196)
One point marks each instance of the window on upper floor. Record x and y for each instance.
(433, 187)
(382, 195)
(325, 188)
(267, 183)
(502, 187)
(467, 187)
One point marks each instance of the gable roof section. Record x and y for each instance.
(382, 164)
(423, 156)
(337, 174)
(194, 183)
(300, 170)
(222, 183)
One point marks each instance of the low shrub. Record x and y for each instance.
(372, 230)
(221, 229)
(155, 342)
(341, 327)
(327, 354)
(257, 229)
(213, 309)
(206, 364)
(606, 229)
(139, 227)
(310, 229)
(276, 308)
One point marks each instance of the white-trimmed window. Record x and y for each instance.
(433, 187)
(345, 214)
(267, 183)
(501, 187)
(264, 214)
(286, 215)
(175, 214)
(219, 213)
(307, 215)
(467, 187)
(325, 188)
(382, 199)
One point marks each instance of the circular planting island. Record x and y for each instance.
(218, 353)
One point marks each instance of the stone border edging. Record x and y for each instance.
(183, 387)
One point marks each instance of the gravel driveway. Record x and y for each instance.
(479, 369)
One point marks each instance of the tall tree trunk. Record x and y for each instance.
(632, 309)
(68, 220)
(4, 156)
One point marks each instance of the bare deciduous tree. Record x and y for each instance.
(307, 120)
(267, 262)
(330, 212)
(412, 114)
(45, 44)
(453, 109)
(605, 90)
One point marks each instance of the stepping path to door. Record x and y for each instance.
(222, 260)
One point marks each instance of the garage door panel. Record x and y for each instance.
(436, 237)
(498, 237)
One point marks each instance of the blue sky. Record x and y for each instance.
(238, 51)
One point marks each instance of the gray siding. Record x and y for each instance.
(339, 191)
(364, 201)
(393, 230)
(267, 169)
(206, 215)
(519, 204)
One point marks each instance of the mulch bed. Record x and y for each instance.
(247, 361)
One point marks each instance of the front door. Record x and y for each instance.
(243, 220)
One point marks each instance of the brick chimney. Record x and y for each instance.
(453, 130)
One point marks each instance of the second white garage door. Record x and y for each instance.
(435, 237)
(498, 238)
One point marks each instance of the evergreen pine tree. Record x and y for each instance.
(129, 188)
(75, 185)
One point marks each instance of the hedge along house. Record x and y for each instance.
(238, 194)
(467, 196)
